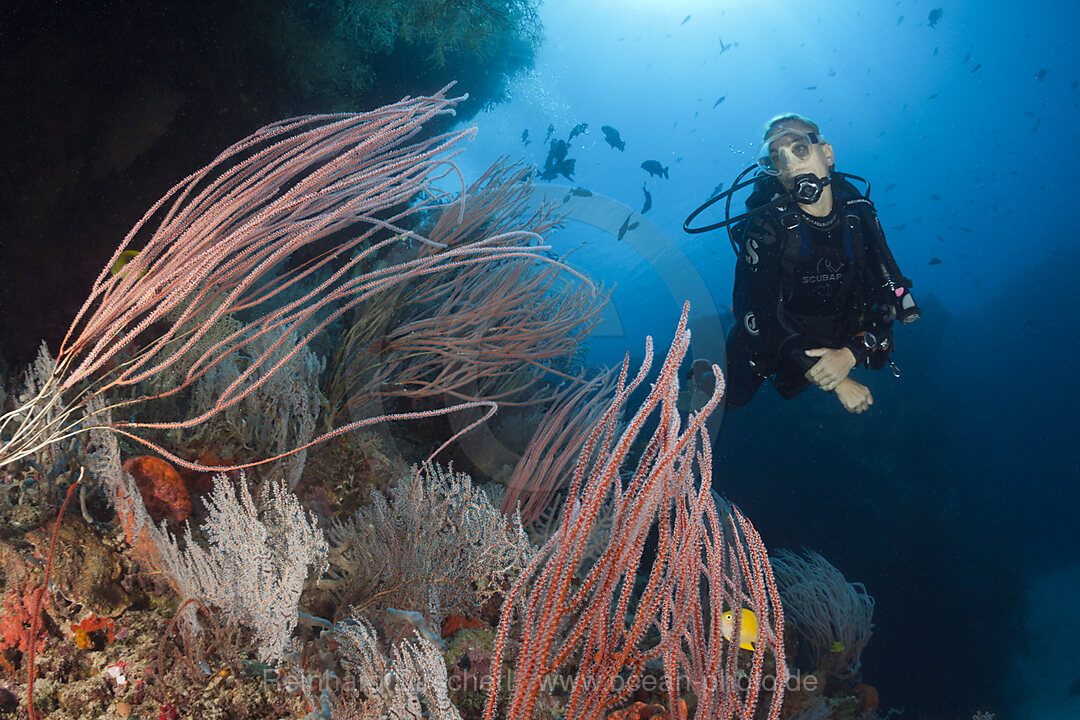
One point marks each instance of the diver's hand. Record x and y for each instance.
(831, 369)
(854, 396)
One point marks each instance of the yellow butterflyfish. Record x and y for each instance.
(747, 628)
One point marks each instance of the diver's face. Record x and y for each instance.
(793, 155)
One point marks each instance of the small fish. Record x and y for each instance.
(934, 261)
(719, 101)
(1040, 74)
(976, 68)
(717, 190)
(550, 132)
(831, 73)
(939, 237)
(900, 20)
(935, 197)
(747, 628)
(901, 226)
(1074, 85)
(577, 192)
(654, 168)
(724, 48)
(627, 226)
(525, 137)
(932, 96)
(966, 229)
(890, 186)
(935, 16)
(967, 56)
(685, 20)
(811, 87)
(935, 51)
(125, 257)
(417, 621)
(837, 647)
(648, 199)
(578, 130)
(612, 138)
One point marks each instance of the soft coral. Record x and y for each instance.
(17, 616)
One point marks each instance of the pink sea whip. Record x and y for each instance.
(222, 235)
(491, 332)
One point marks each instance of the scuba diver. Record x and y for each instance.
(816, 288)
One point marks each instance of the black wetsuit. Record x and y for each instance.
(801, 282)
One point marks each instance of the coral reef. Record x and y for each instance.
(436, 546)
(337, 586)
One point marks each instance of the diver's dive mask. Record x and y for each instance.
(796, 144)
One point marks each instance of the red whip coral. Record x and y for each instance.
(607, 628)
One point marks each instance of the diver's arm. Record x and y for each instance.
(854, 396)
(831, 368)
(858, 351)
